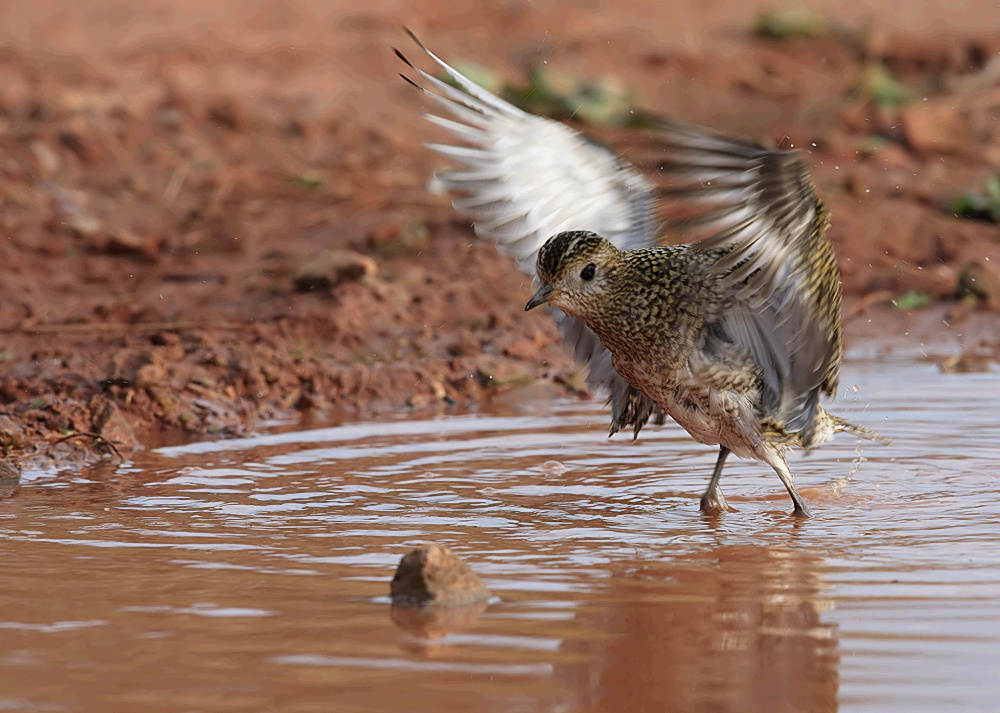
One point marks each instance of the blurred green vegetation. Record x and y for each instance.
(911, 299)
(981, 206)
(605, 101)
(877, 84)
(793, 22)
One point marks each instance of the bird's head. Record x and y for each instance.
(576, 269)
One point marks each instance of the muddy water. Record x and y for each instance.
(251, 574)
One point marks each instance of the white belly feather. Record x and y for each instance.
(713, 403)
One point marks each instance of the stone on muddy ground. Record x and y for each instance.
(150, 376)
(523, 349)
(10, 478)
(107, 421)
(937, 127)
(535, 397)
(431, 576)
(967, 363)
(329, 268)
(12, 434)
(979, 283)
(503, 374)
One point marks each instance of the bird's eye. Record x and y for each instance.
(588, 272)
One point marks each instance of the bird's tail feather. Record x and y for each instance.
(843, 425)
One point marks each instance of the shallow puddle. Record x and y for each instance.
(252, 574)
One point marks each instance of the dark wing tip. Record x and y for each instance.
(411, 82)
(402, 57)
(413, 37)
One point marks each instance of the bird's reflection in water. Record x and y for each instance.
(736, 628)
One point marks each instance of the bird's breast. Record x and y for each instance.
(715, 405)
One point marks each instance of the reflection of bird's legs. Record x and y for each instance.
(777, 460)
(713, 501)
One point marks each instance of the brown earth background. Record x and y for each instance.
(217, 213)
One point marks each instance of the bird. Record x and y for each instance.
(735, 334)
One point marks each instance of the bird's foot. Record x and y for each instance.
(800, 511)
(713, 502)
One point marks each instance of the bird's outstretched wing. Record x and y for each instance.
(759, 207)
(525, 178)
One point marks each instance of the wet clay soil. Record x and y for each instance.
(215, 215)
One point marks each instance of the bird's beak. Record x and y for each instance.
(541, 297)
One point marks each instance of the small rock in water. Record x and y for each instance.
(432, 575)
(10, 479)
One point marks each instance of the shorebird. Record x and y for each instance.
(735, 335)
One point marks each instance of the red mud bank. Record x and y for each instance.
(203, 229)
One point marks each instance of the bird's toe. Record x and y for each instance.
(714, 503)
(801, 511)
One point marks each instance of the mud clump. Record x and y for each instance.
(967, 363)
(330, 268)
(107, 421)
(434, 576)
(12, 435)
(10, 479)
(979, 283)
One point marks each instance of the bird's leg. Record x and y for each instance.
(713, 501)
(777, 461)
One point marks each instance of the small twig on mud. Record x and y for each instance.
(862, 305)
(176, 182)
(96, 437)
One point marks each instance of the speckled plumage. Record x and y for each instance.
(664, 313)
(735, 335)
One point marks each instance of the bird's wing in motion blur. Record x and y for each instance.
(526, 178)
(760, 205)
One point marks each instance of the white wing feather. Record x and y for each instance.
(525, 178)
